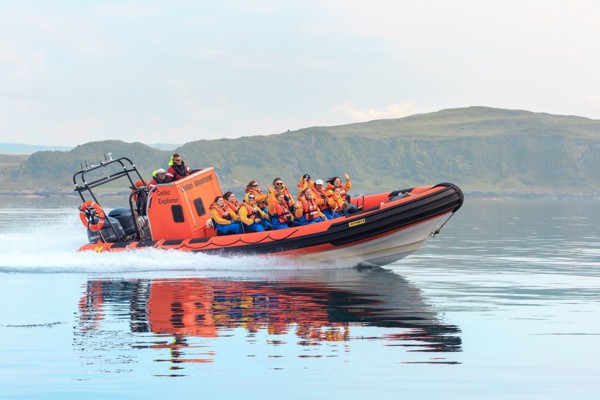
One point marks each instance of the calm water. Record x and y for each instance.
(504, 303)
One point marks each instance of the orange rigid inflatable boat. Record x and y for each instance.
(176, 216)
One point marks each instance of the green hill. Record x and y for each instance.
(480, 149)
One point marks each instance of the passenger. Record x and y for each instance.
(280, 187)
(231, 201)
(281, 216)
(337, 203)
(322, 198)
(260, 197)
(304, 183)
(159, 176)
(177, 169)
(139, 197)
(251, 215)
(336, 182)
(310, 212)
(225, 220)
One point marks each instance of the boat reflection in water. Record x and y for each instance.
(184, 319)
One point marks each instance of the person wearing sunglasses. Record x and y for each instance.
(281, 215)
(177, 168)
(260, 197)
(280, 188)
(253, 218)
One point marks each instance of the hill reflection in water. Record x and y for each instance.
(195, 319)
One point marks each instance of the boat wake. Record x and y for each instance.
(52, 248)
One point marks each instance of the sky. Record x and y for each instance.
(76, 71)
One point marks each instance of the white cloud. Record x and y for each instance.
(399, 110)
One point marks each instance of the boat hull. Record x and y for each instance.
(390, 227)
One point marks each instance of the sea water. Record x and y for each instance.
(504, 303)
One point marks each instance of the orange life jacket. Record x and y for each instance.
(235, 206)
(251, 213)
(309, 208)
(223, 213)
(282, 212)
(323, 196)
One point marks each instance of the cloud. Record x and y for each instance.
(399, 110)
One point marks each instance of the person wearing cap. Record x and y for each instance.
(159, 176)
(322, 199)
(305, 182)
(251, 215)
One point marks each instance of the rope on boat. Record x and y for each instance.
(437, 231)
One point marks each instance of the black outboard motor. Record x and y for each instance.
(126, 219)
(111, 232)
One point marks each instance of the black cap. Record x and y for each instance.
(306, 176)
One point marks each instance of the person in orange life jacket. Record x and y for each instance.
(309, 208)
(337, 203)
(322, 198)
(224, 218)
(251, 215)
(305, 182)
(231, 201)
(177, 168)
(281, 216)
(336, 182)
(159, 176)
(260, 197)
(280, 187)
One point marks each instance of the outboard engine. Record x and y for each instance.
(112, 231)
(126, 219)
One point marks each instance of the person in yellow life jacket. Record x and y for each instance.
(251, 215)
(224, 218)
(322, 198)
(336, 182)
(231, 201)
(337, 203)
(305, 182)
(311, 213)
(159, 176)
(260, 197)
(280, 187)
(281, 215)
